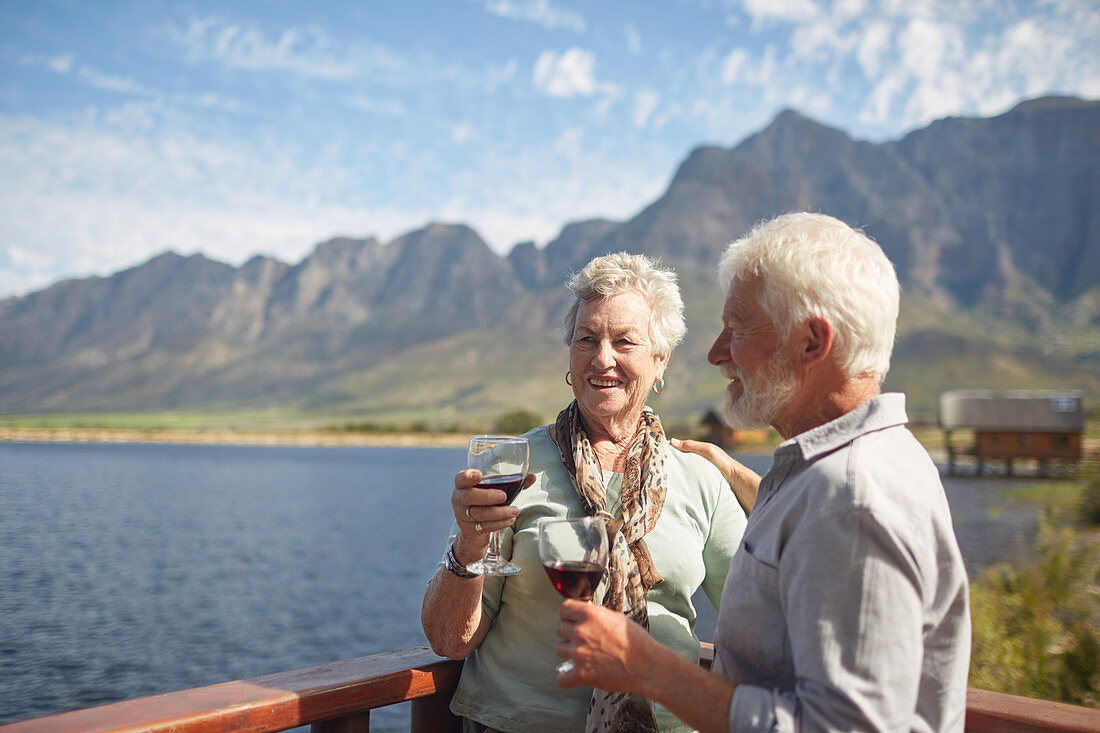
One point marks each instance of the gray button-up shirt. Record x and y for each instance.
(846, 605)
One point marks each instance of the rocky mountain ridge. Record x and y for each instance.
(993, 224)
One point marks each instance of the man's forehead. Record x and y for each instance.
(742, 299)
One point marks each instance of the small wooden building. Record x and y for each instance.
(1040, 425)
(720, 434)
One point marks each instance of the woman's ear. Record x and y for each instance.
(662, 364)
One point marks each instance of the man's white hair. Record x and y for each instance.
(814, 265)
(622, 272)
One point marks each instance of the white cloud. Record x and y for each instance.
(207, 100)
(787, 10)
(110, 83)
(568, 144)
(738, 67)
(633, 39)
(462, 132)
(733, 64)
(536, 191)
(498, 76)
(541, 12)
(87, 200)
(645, 104)
(873, 46)
(134, 116)
(925, 62)
(850, 8)
(306, 51)
(57, 64)
(24, 259)
(383, 107)
(569, 74)
(899, 64)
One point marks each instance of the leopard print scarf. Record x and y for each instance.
(631, 572)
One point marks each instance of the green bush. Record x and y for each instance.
(1037, 625)
(1090, 496)
(517, 422)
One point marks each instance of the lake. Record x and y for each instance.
(132, 570)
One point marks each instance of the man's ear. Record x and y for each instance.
(817, 341)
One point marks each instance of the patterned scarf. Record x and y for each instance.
(631, 572)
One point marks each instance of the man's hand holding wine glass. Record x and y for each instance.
(603, 645)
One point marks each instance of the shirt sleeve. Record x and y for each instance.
(851, 595)
(727, 525)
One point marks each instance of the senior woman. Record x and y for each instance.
(675, 522)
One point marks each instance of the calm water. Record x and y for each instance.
(132, 570)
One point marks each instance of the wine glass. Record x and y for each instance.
(574, 556)
(502, 460)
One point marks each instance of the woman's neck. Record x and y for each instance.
(610, 442)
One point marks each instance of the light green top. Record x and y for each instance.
(509, 682)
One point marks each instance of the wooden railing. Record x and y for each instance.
(338, 698)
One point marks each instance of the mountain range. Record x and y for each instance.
(992, 223)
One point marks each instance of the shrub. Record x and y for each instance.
(1037, 625)
(1090, 496)
(517, 422)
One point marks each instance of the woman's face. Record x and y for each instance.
(611, 358)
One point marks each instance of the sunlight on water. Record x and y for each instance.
(132, 570)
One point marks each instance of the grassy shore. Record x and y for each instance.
(288, 427)
(303, 437)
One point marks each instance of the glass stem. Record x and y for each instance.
(494, 548)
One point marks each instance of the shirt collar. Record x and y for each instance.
(880, 412)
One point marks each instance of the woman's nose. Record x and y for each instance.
(605, 355)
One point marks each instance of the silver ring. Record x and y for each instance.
(478, 528)
(468, 514)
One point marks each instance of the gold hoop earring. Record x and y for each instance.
(568, 378)
(659, 386)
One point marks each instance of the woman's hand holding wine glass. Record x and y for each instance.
(497, 463)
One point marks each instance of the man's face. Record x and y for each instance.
(751, 355)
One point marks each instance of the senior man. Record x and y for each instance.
(846, 604)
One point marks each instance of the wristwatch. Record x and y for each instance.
(455, 567)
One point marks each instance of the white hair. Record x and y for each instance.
(814, 265)
(622, 272)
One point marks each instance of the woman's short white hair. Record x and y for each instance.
(814, 265)
(622, 272)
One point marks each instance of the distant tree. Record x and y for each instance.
(517, 422)
(1090, 497)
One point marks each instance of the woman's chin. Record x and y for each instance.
(608, 408)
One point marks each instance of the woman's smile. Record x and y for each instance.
(612, 361)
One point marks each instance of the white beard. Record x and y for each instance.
(762, 399)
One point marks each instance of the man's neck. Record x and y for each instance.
(817, 404)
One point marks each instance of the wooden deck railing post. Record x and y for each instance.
(433, 714)
(355, 723)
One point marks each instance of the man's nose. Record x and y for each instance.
(720, 351)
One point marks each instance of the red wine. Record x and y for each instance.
(509, 483)
(575, 579)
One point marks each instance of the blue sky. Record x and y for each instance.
(264, 127)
